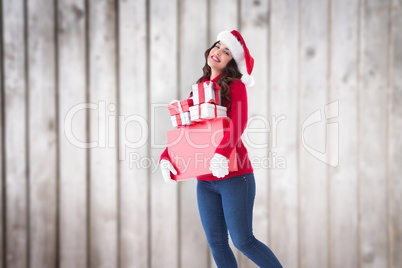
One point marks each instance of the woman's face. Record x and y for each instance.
(219, 57)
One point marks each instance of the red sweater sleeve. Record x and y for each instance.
(238, 116)
(165, 155)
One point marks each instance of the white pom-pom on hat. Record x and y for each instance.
(248, 80)
(240, 53)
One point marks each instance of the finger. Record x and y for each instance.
(172, 169)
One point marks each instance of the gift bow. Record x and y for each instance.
(216, 86)
(173, 103)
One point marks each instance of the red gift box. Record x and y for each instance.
(191, 148)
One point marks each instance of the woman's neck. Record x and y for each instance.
(214, 74)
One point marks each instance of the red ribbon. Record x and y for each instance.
(216, 86)
(178, 119)
(201, 92)
(180, 106)
(217, 93)
(173, 108)
(199, 111)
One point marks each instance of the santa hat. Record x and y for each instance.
(240, 53)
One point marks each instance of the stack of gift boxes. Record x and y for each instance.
(205, 104)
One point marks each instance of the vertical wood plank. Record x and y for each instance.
(73, 155)
(103, 165)
(223, 16)
(15, 134)
(2, 154)
(395, 133)
(343, 212)
(192, 45)
(133, 101)
(164, 88)
(283, 103)
(254, 23)
(313, 96)
(42, 133)
(373, 133)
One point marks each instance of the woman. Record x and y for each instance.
(225, 199)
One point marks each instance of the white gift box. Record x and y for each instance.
(182, 119)
(206, 92)
(206, 111)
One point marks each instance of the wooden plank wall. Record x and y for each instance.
(15, 133)
(84, 87)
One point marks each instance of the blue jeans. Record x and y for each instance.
(228, 204)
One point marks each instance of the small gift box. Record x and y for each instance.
(179, 111)
(206, 92)
(182, 119)
(206, 111)
(176, 107)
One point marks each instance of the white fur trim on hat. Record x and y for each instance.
(247, 80)
(234, 46)
(237, 51)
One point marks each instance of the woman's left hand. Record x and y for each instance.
(219, 166)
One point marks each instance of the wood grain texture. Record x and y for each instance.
(15, 134)
(73, 154)
(42, 133)
(395, 133)
(192, 45)
(373, 133)
(103, 157)
(223, 16)
(110, 206)
(313, 187)
(284, 62)
(254, 21)
(134, 179)
(163, 89)
(343, 211)
(2, 155)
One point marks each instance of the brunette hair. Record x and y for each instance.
(229, 74)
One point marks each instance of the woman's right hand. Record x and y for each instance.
(166, 168)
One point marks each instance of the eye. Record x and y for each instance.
(227, 53)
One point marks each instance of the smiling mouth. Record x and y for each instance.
(215, 59)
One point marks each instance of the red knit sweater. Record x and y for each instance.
(238, 113)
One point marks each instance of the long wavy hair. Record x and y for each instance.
(229, 74)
